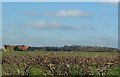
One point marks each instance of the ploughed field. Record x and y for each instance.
(60, 63)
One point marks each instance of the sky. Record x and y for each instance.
(0, 24)
(60, 23)
(60, 0)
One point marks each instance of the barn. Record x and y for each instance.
(16, 48)
(9, 47)
(21, 48)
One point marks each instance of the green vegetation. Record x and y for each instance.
(60, 63)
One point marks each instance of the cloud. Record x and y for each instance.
(43, 25)
(11, 32)
(70, 13)
(8, 31)
(0, 39)
(30, 13)
(103, 38)
(60, 13)
(110, 0)
(106, 40)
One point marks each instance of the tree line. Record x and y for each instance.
(73, 48)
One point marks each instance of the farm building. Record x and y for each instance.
(21, 48)
(9, 47)
(16, 48)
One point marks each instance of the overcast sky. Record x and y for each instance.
(58, 24)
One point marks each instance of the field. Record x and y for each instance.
(43, 63)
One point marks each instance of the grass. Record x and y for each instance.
(59, 53)
(74, 70)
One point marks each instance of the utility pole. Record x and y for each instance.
(107, 43)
